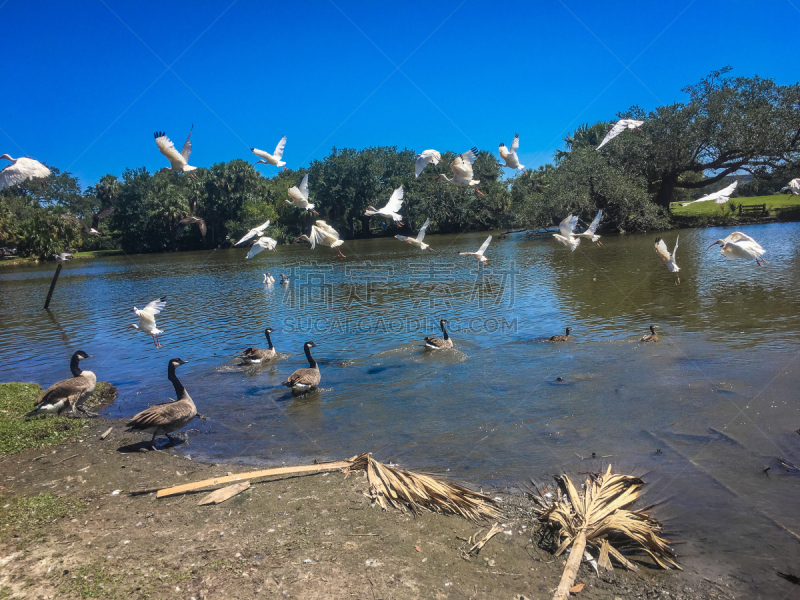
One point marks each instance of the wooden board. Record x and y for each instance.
(222, 494)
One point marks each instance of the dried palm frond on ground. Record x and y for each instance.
(599, 517)
(417, 492)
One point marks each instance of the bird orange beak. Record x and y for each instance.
(712, 245)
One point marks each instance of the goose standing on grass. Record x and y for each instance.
(417, 241)
(590, 231)
(254, 356)
(462, 171)
(618, 128)
(305, 380)
(740, 245)
(721, 197)
(92, 231)
(252, 233)
(284, 279)
(147, 319)
(273, 159)
(163, 419)
(650, 337)
(21, 169)
(479, 254)
(669, 259)
(392, 208)
(565, 235)
(428, 156)
(442, 343)
(179, 161)
(793, 187)
(299, 196)
(268, 279)
(562, 338)
(322, 233)
(68, 393)
(262, 243)
(510, 156)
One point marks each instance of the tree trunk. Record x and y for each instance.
(572, 566)
(666, 191)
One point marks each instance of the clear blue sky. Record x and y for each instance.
(85, 84)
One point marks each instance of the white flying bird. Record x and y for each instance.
(618, 128)
(322, 233)
(590, 231)
(792, 188)
(147, 319)
(299, 196)
(462, 171)
(392, 208)
(510, 156)
(273, 159)
(417, 241)
(740, 245)
(479, 254)
(262, 243)
(720, 197)
(253, 232)
(669, 259)
(565, 236)
(428, 156)
(179, 162)
(21, 169)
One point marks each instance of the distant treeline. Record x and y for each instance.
(683, 150)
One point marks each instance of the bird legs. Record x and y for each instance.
(156, 342)
(475, 187)
(339, 254)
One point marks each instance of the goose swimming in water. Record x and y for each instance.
(305, 380)
(652, 336)
(67, 393)
(254, 356)
(442, 343)
(562, 338)
(163, 419)
(269, 279)
(284, 279)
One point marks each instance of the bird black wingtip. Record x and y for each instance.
(474, 150)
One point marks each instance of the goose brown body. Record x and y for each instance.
(442, 343)
(652, 336)
(67, 393)
(562, 338)
(258, 355)
(162, 419)
(305, 380)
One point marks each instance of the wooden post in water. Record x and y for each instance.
(53, 286)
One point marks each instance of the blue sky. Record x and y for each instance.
(85, 84)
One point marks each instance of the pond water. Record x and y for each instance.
(699, 415)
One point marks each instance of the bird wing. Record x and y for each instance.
(254, 231)
(737, 236)
(593, 227)
(303, 187)
(423, 159)
(720, 196)
(421, 234)
(65, 389)
(167, 148)
(156, 306)
(278, 154)
(661, 250)
(21, 170)
(101, 215)
(567, 226)
(263, 243)
(618, 128)
(675, 249)
(484, 246)
(515, 144)
(504, 153)
(186, 151)
(395, 202)
(632, 123)
(462, 165)
(160, 415)
(76, 220)
(327, 229)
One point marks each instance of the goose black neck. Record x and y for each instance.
(179, 389)
(567, 332)
(444, 331)
(75, 365)
(652, 330)
(269, 340)
(311, 362)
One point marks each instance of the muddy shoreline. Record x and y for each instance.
(315, 536)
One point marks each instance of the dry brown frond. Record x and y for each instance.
(417, 492)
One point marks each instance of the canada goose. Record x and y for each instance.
(423, 159)
(253, 356)
(147, 319)
(562, 338)
(435, 343)
(162, 419)
(652, 336)
(67, 393)
(305, 380)
(284, 279)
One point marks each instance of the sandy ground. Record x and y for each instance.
(315, 536)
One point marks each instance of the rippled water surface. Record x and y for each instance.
(717, 396)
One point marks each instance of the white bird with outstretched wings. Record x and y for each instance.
(273, 159)
(179, 161)
(462, 171)
(253, 232)
(262, 243)
(428, 156)
(590, 231)
(299, 196)
(510, 156)
(669, 259)
(720, 197)
(565, 235)
(417, 241)
(479, 254)
(392, 208)
(618, 128)
(21, 169)
(324, 234)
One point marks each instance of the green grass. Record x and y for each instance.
(26, 516)
(18, 433)
(96, 253)
(776, 204)
(32, 260)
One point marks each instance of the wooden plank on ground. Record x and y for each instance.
(222, 494)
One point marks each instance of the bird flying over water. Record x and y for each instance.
(428, 156)
(262, 243)
(740, 245)
(417, 241)
(618, 128)
(21, 169)
(669, 259)
(510, 156)
(253, 232)
(299, 196)
(179, 161)
(322, 233)
(92, 231)
(462, 171)
(392, 208)
(273, 159)
(479, 254)
(186, 221)
(565, 236)
(590, 231)
(720, 197)
(147, 319)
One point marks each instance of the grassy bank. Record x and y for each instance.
(32, 260)
(779, 206)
